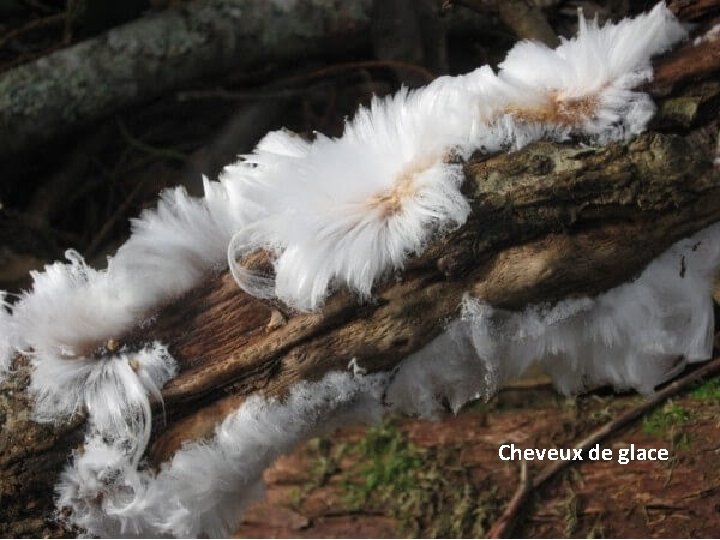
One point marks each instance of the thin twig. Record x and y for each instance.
(30, 26)
(231, 95)
(364, 64)
(110, 223)
(528, 22)
(320, 73)
(480, 6)
(525, 19)
(167, 153)
(40, 6)
(503, 525)
(513, 508)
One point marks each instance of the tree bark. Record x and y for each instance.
(162, 51)
(159, 52)
(548, 222)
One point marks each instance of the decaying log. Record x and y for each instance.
(548, 222)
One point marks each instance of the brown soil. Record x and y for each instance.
(308, 492)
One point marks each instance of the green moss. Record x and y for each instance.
(296, 497)
(709, 390)
(682, 109)
(325, 461)
(388, 463)
(425, 489)
(326, 458)
(668, 422)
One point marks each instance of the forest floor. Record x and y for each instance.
(410, 477)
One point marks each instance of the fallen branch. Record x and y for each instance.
(161, 51)
(35, 24)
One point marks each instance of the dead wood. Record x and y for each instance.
(158, 52)
(548, 222)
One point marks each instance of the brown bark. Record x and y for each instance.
(548, 222)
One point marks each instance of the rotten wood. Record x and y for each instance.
(548, 222)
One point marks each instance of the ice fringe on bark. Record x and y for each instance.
(73, 310)
(634, 336)
(206, 486)
(347, 211)
(336, 212)
(631, 336)
(113, 391)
